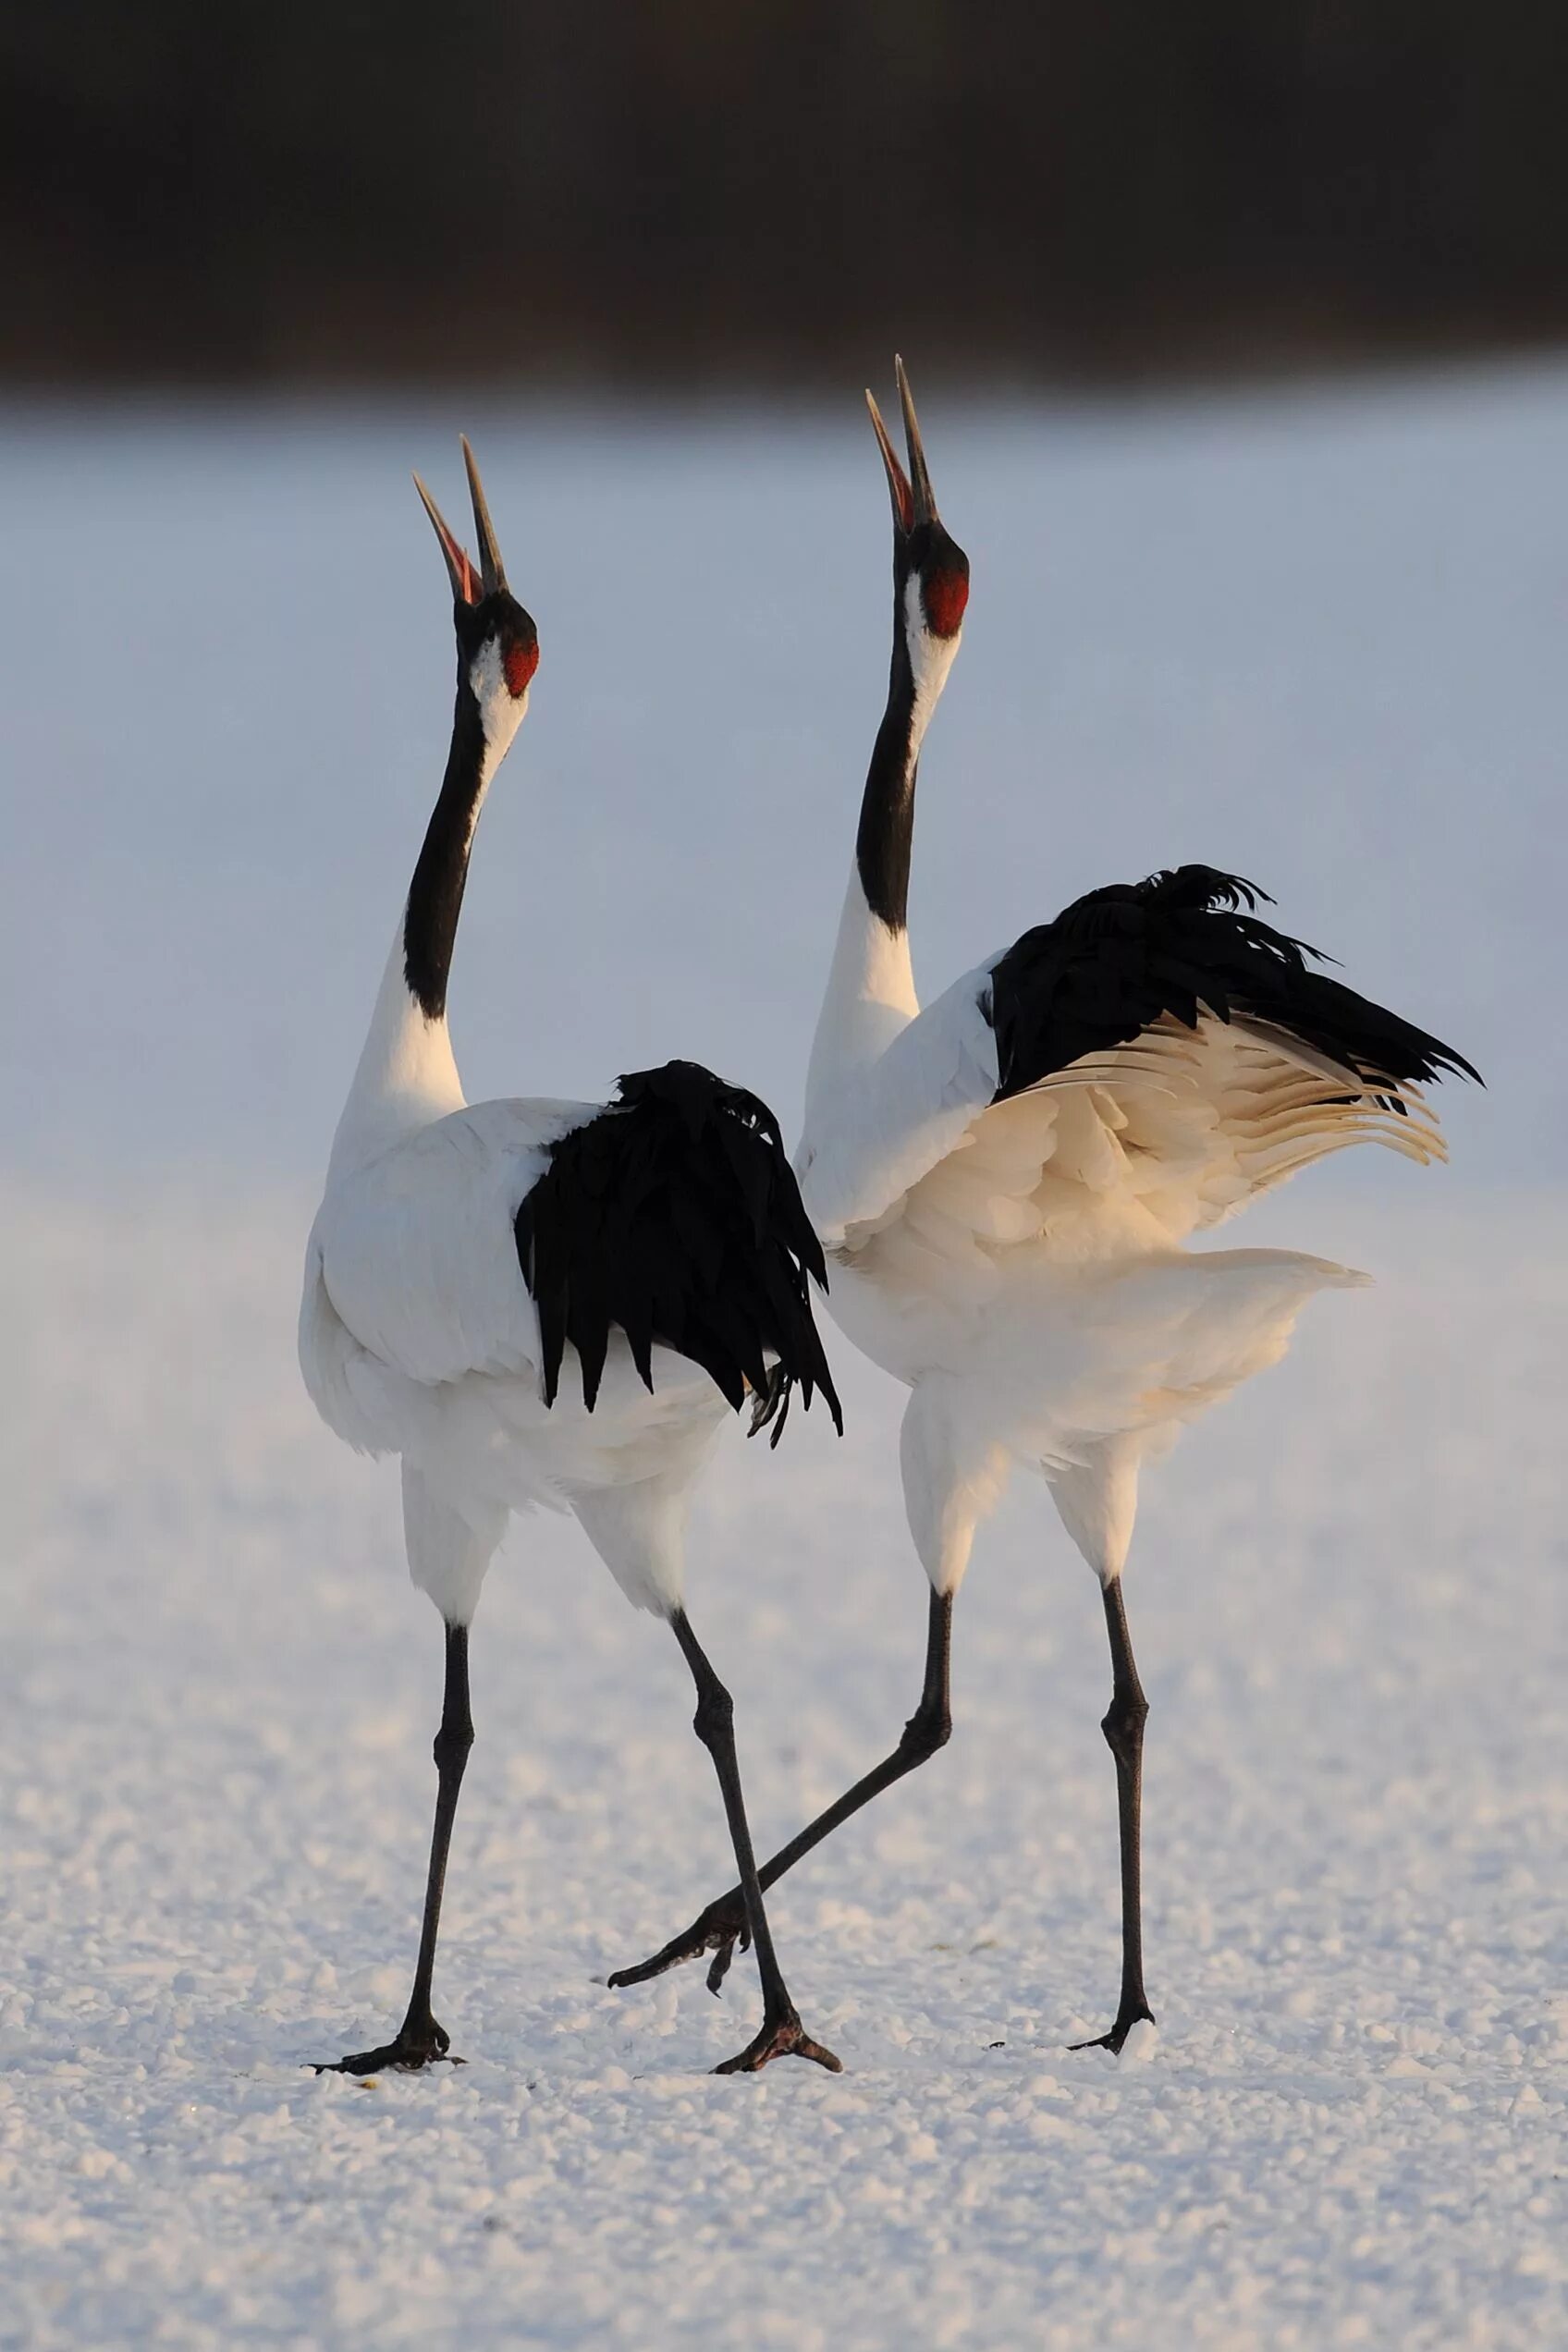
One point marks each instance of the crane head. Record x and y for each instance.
(930, 570)
(497, 643)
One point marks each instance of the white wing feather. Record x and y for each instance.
(1133, 1148)
(417, 1251)
(876, 1135)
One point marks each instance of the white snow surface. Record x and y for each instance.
(1316, 637)
(216, 1702)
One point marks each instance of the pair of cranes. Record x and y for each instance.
(541, 1302)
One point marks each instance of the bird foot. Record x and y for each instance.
(1118, 2032)
(423, 2044)
(718, 1929)
(785, 2038)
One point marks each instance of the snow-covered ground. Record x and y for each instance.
(1318, 637)
(218, 1694)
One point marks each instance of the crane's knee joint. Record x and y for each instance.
(452, 1744)
(927, 1730)
(1123, 1724)
(715, 1714)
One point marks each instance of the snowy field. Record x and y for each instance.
(1315, 636)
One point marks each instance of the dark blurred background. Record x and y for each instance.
(1040, 190)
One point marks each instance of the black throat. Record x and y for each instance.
(435, 894)
(886, 810)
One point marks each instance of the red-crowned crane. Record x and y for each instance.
(1006, 1183)
(555, 1302)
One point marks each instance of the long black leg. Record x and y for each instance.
(782, 2034)
(1123, 1729)
(718, 1927)
(419, 2039)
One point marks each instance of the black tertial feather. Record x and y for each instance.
(674, 1217)
(1180, 943)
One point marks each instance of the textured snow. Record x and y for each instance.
(1317, 638)
(218, 1694)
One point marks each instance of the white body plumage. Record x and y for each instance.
(550, 1302)
(418, 1335)
(1020, 1263)
(1015, 1250)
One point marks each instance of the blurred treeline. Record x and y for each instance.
(751, 190)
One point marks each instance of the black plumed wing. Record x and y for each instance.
(675, 1217)
(1171, 948)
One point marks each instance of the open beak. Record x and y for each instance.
(467, 587)
(913, 501)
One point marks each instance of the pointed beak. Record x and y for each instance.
(492, 572)
(468, 586)
(914, 499)
(465, 587)
(924, 498)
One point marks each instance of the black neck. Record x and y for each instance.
(886, 810)
(435, 894)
